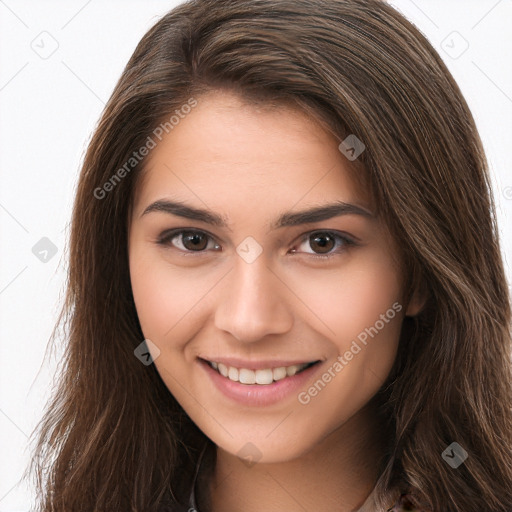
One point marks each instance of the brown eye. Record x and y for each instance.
(322, 242)
(188, 241)
(194, 241)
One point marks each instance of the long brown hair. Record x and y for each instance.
(113, 438)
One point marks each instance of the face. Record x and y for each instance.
(253, 254)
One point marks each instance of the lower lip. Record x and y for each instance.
(260, 395)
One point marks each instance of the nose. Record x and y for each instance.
(253, 302)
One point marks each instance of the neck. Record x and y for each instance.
(337, 474)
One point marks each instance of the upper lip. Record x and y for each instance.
(260, 364)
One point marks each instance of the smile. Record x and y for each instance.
(262, 376)
(262, 383)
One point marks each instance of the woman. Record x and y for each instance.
(285, 275)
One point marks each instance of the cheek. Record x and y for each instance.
(359, 311)
(363, 313)
(169, 300)
(151, 292)
(352, 298)
(166, 301)
(154, 288)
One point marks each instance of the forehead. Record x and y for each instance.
(228, 152)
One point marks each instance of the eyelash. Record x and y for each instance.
(167, 236)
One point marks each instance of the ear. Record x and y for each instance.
(418, 300)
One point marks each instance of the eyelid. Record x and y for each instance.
(348, 241)
(340, 234)
(167, 235)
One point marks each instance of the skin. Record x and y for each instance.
(250, 165)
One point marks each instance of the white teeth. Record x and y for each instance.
(233, 373)
(246, 376)
(292, 370)
(265, 376)
(223, 369)
(279, 373)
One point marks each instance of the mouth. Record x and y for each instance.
(262, 376)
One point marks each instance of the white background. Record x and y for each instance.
(49, 107)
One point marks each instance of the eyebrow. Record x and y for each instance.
(315, 214)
